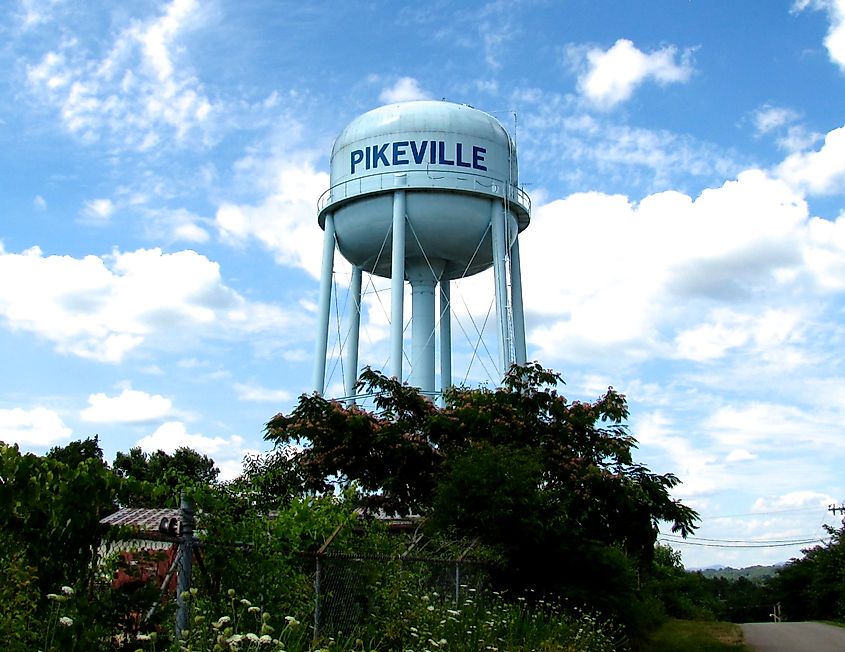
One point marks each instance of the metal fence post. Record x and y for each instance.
(457, 582)
(186, 551)
(317, 576)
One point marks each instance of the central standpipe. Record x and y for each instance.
(423, 276)
(445, 334)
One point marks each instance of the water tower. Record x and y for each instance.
(424, 192)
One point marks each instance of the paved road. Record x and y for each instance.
(794, 637)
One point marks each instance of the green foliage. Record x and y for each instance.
(77, 452)
(551, 485)
(237, 624)
(270, 480)
(19, 597)
(54, 510)
(157, 477)
(696, 636)
(479, 622)
(252, 552)
(813, 587)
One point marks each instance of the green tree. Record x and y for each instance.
(53, 511)
(160, 476)
(551, 484)
(78, 451)
(813, 587)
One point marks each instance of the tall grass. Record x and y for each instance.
(696, 636)
(426, 622)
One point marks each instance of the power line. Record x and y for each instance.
(801, 539)
(742, 545)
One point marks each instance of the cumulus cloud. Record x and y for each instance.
(651, 257)
(762, 426)
(285, 220)
(130, 406)
(819, 172)
(740, 455)
(139, 93)
(405, 89)
(38, 427)
(98, 210)
(793, 500)
(835, 39)
(227, 453)
(173, 434)
(249, 392)
(612, 76)
(102, 308)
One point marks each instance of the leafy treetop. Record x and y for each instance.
(556, 467)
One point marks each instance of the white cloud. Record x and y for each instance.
(587, 151)
(793, 500)
(769, 427)
(659, 268)
(130, 406)
(36, 12)
(39, 203)
(697, 468)
(405, 89)
(768, 118)
(612, 76)
(227, 453)
(102, 308)
(39, 426)
(99, 210)
(798, 137)
(140, 93)
(819, 172)
(740, 455)
(176, 225)
(285, 221)
(726, 330)
(835, 39)
(248, 392)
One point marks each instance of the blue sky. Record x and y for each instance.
(160, 164)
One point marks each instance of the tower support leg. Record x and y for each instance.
(354, 330)
(397, 280)
(517, 305)
(445, 335)
(321, 348)
(500, 245)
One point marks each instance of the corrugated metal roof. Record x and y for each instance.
(141, 518)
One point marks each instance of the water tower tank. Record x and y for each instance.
(451, 159)
(427, 192)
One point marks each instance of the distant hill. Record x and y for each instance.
(753, 573)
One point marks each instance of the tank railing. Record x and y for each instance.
(372, 183)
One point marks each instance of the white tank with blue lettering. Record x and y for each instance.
(450, 159)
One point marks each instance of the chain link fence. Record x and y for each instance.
(350, 590)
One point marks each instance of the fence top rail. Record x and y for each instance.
(350, 556)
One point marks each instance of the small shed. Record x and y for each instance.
(148, 545)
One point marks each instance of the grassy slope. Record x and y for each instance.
(696, 636)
